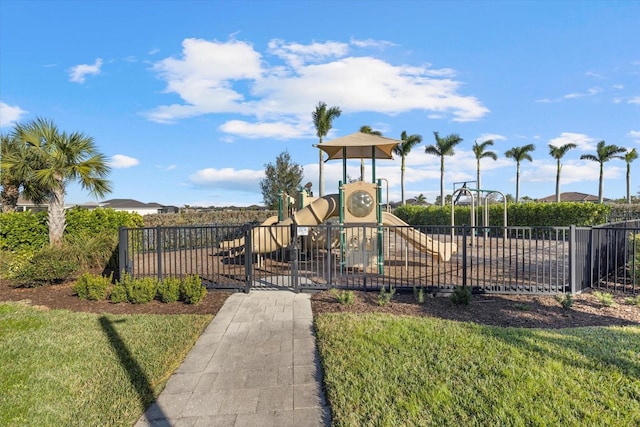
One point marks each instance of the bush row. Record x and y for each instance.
(223, 217)
(140, 290)
(518, 214)
(28, 231)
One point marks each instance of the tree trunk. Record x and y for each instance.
(628, 184)
(601, 186)
(9, 197)
(401, 181)
(517, 182)
(558, 183)
(320, 173)
(56, 217)
(442, 182)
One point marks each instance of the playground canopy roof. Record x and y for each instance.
(359, 145)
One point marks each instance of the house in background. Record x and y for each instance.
(134, 206)
(573, 197)
(127, 205)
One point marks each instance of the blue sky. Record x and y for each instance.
(190, 99)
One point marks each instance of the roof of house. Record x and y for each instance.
(128, 204)
(571, 196)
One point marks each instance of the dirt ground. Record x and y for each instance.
(498, 310)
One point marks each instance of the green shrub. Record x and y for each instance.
(191, 290)
(385, 297)
(461, 295)
(118, 293)
(92, 287)
(96, 221)
(94, 250)
(343, 297)
(169, 289)
(23, 231)
(142, 290)
(565, 300)
(12, 262)
(418, 294)
(50, 265)
(632, 300)
(605, 298)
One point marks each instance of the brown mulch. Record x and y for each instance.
(522, 311)
(498, 310)
(62, 297)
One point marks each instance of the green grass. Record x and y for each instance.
(77, 369)
(382, 370)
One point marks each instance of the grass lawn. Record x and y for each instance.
(59, 367)
(402, 371)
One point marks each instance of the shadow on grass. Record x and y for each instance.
(137, 376)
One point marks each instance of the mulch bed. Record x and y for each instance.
(499, 310)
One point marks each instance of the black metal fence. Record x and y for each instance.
(523, 260)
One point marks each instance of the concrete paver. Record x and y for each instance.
(256, 364)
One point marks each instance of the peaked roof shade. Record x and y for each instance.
(359, 146)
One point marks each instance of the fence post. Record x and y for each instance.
(329, 254)
(159, 251)
(572, 259)
(464, 254)
(123, 245)
(248, 257)
(293, 257)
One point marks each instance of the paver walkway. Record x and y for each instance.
(256, 364)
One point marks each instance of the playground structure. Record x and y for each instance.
(357, 202)
(485, 217)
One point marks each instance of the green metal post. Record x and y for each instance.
(341, 222)
(380, 229)
(373, 164)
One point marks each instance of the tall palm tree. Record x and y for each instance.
(323, 121)
(403, 149)
(15, 176)
(557, 153)
(519, 154)
(628, 158)
(604, 153)
(370, 131)
(60, 159)
(478, 151)
(443, 147)
(421, 199)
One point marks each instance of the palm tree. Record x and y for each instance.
(402, 150)
(370, 131)
(15, 176)
(478, 151)
(60, 159)
(557, 153)
(443, 147)
(629, 157)
(421, 199)
(604, 153)
(322, 120)
(519, 154)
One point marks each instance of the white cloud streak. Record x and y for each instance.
(120, 161)
(10, 114)
(78, 73)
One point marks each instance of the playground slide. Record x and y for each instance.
(268, 239)
(440, 250)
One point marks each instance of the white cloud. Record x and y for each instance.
(381, 44)
(78, 73)
(487, 136)
(274, 130)
(10, 114)
(590, 92)
(120, 161)
(618, 87)
(634, 100)
(228, 178)
(594, 74)
(583, 141)
(231, 77)
(635, 135)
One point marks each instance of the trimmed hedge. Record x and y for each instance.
(518, 214)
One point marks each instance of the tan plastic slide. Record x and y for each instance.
(269, 239)
(440, 250)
